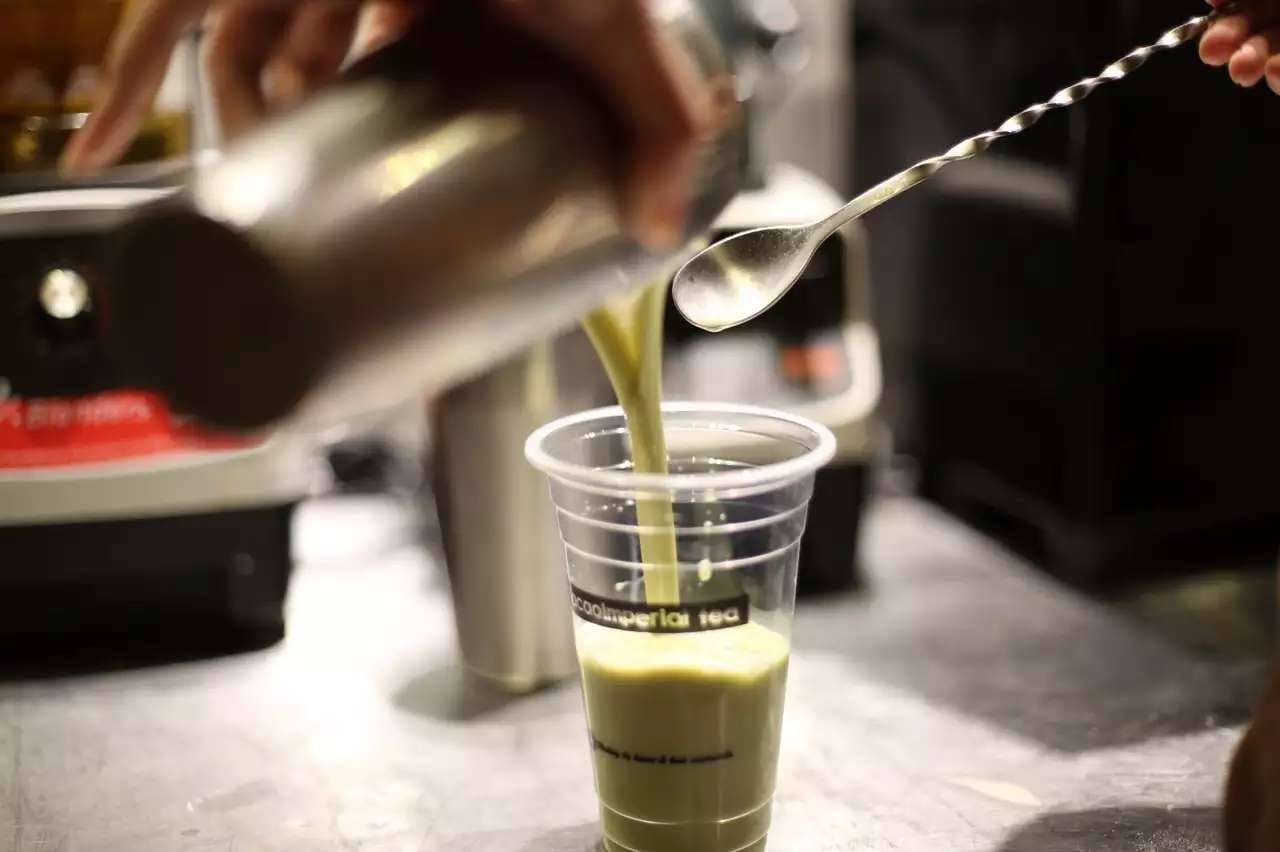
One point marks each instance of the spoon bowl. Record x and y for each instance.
(741, 277)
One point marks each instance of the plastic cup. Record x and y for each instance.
(684, 691)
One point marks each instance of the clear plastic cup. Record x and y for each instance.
(684, 690)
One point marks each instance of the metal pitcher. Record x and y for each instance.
(501, 538)
(426, 219)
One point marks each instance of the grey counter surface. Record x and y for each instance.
(963, 703)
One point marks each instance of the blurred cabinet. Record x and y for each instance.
(1079, 332)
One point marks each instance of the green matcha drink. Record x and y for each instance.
(685, 732)
(683, 679)
(684, 690)
(684, 727)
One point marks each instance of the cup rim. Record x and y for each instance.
(615, 480)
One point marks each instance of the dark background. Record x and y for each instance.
(1079, 331)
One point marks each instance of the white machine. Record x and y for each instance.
(815, 354)
(116, 515)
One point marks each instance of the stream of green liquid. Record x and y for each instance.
(705, 709)
(628, 339)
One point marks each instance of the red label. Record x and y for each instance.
(819, 361)
(112, 426)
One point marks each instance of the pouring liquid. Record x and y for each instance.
(627, 337)
(685, 728)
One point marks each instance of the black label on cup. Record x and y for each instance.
(676, 618)
(663, 759)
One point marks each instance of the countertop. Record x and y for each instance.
(963, 702)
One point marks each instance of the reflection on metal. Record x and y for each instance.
(64, 294)
(244, 191)
(409, 164)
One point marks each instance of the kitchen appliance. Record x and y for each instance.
(118, 517)
(816, 354)
(122, 524)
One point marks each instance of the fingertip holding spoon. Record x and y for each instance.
(742, 276)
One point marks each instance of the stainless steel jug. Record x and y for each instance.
(433, 215)
(501, 538)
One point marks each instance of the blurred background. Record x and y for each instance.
(1077, 339)
(1050, 371)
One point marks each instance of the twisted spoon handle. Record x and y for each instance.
(901, 182)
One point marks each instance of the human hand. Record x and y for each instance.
(1252, 812)
(266, 55)
(1247, 42)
